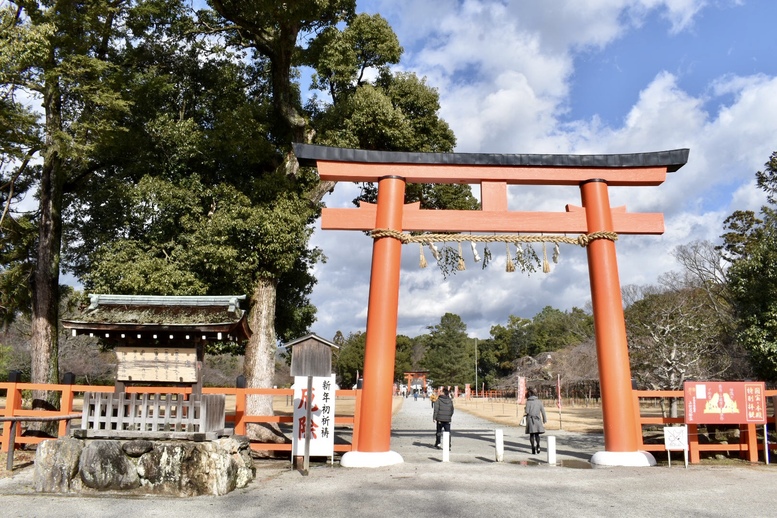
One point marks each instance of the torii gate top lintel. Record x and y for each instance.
(342, 164)
(493, 173)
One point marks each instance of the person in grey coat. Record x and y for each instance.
(443, 414)
(535, 419)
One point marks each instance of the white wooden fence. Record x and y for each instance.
(173, 416)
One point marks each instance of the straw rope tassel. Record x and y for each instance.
(545, 263)
(423, 263)
(509, 267)
(461, 266)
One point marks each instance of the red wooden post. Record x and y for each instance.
(357, 413)
(749, 437)
(240, 411)
(66, 407)
(609, 324)
(380, 350)
(13, 402)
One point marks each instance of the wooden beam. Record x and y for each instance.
(474, 174)
(493, 196)
(413, 219)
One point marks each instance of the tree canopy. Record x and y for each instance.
(164, 149)
(750, 244)
(674, 336)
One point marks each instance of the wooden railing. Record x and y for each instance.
(748, 445)
(492, 394)
(237, 419)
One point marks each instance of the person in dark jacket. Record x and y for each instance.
(443, 413)
(535, 419)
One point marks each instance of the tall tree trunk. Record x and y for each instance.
(284, 92)
(259, 364)
(45, 301)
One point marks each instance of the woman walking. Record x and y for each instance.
(535, 419)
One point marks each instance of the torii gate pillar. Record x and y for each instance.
(372, 449)
(610, 329)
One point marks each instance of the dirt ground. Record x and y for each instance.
(572, 419)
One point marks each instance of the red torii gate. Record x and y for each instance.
(411, 375)
(494, 172)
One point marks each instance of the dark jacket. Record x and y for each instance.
(443, 409)
(535, 415)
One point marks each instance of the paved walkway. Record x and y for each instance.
(472, 484)
(472, 439)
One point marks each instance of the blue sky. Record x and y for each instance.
(575, 76)
(725, 38)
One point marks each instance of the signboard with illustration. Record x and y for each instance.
(721, 402)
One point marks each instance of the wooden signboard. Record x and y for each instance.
(726, 402)
(314, 410)
(162, 364)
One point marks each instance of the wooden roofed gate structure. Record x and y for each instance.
(598, 224)
(159, 341)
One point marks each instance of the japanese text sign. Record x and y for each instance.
(717, 402)
(166, 364)
(322, 415)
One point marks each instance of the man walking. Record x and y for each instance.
(443, 413)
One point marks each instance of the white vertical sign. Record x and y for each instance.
(322, 413)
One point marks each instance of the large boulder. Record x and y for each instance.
(184, 468)
(56, 465)
(181, 468)
(105, 466)
(137, 447)
(238, 447)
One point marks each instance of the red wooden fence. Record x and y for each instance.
(239, 419)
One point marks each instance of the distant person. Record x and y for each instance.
(415, 394)
(443, 413)
(535, 419)
(433, 398)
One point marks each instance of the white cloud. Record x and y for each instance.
(679, 13)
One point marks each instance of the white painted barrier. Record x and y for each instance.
(499, 442)
(552, 450)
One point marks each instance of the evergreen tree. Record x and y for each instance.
(450, 353)
(750, 244)
(69, 66)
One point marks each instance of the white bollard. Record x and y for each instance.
(446, 446)
(552, 450)
(499, 442)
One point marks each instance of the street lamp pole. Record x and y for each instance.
(476, 367)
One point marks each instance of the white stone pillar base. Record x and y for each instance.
(634, 459)
(370, 459)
